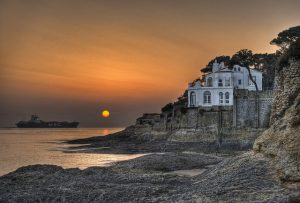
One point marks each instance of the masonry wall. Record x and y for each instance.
(251, 112)
(247, 118)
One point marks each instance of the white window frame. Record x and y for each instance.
(221, 97)
(227, 97)
(192, 98)
(220, 82)
(227, 82)
(209, 82)
(207, 97)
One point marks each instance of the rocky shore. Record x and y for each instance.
(169, 172)
(127, 142)
(245, 178)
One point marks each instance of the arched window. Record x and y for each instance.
(207, 97)
(227, 97)
(209, 82)
(221, 98)
(192, 99)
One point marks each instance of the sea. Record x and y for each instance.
(22, 147)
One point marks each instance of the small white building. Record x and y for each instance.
(218, 86)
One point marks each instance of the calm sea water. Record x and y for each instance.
(21, 147)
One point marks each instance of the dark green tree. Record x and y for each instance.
(294, 50)
(167, 107)
(286, 38)
(266, 63)
(244, 58)
(288, 42)
(208, 68)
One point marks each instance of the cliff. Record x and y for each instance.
(281, 142)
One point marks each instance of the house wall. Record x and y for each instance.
(242, 73)
(236, 74)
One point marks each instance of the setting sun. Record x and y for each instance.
(105, 113)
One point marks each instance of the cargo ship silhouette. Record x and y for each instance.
(35, 122)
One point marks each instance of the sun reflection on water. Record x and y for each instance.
(21, 147)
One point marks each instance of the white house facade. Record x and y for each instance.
(217, 87)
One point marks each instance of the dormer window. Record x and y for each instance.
(239, 69)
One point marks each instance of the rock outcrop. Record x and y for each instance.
(281, 142)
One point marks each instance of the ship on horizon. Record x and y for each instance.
(35, 122)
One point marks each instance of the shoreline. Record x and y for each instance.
(180, 172)
(123, 142)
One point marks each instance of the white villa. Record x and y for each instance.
(218, 86)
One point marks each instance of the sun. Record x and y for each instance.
(105, 113)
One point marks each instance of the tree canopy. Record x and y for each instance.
(208, 68)
(244, 57)
(263, 62)
(286, 38)
(292, 52)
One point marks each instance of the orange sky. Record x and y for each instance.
(69, 59)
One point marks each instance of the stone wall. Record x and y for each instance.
(287, 86)
(245, 119)
(249, 112)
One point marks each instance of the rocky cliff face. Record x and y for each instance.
(281, 142)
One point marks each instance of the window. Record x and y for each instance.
(209, 82)
(220, 84)
(207, 97)
(239, 69)
(227, 97)
(234, 69)
(227, 82)
(240, 82)
(250, 82)
(192, 99)
(221, 97)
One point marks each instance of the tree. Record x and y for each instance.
(288, 41)
(245, 58)
(294, 49)
(167, 107)
(266, 63)
(208, 68)
(292, 52)
(286, 38)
